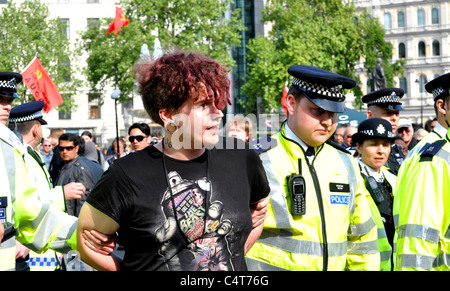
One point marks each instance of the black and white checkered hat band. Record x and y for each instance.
(26, 118)
(438, 92)
(393, 98)
(12, 84)
(329, 93)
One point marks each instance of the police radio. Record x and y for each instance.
(296, 186)
(10, 231)
(375, 190)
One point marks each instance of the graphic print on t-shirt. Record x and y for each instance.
(206, 230)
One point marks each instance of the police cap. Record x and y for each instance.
(27, 112)
(373, 128)
(387, 98)
(439, 86)
(8, 84)
(323, 88)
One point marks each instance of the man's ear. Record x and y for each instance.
(165, 115)
(291, 104)
(440, 106)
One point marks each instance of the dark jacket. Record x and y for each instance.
(77, 170)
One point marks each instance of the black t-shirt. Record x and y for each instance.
(134, 192)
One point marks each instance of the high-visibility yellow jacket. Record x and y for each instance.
(39, 174)
(383, 243)
(438, 132)
(40, 224)
(337, 232)
(422, 210)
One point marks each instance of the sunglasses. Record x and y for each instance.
(139, 138)
(403, 129)
(66, 148)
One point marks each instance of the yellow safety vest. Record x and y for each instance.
(47, 261)
(337, 232)
(383, 242)
(40, 224)
(422, 210)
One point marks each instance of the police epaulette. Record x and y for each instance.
(337, 146)
(264, 144)
(430, 150)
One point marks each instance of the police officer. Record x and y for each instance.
(373, 142)
(421, 209)
(26, 121)
(439, 88)
(318, 217)
(34, 220)
(37, 224)
(385, 103)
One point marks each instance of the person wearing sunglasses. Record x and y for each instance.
(139, 136)
(75, 170)
(406, 131)
(185, 203)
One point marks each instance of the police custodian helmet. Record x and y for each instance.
(323, 88)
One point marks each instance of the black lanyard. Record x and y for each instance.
(207, 194)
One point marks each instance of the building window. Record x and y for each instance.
(435, 16)
(66, 27)
(92, 23)
(422, 52)
(436, 48)
(401, 19)
(401, 50)
(387, 20)
(404, 84)
(422, 82)
(94, 103)
(2, 1)
(63, 114)
(421, 17)
(65, 69)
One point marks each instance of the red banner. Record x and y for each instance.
(118, 22)
(41, 85)
(283, 98)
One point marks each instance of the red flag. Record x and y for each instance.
(41, 85)
(283, 97)
(118, 22)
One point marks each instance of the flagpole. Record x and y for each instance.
(29, 64)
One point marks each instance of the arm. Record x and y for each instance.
(259, 213)
(92, 219)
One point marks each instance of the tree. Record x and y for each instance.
(26, 31)
(327, 34)
(200, 25)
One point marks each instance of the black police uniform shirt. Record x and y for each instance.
(207, 230)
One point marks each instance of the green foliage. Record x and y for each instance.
(198, 25)
(26, 30)
(324, 33)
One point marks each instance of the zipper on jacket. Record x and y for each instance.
(322, 215)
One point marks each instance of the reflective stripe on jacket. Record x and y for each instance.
(336, 233)
(40, 224)
(422, 210)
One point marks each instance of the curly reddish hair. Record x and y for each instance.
(167, 82)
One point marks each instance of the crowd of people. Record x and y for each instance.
(310, 197)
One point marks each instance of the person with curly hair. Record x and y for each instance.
(187, 202)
